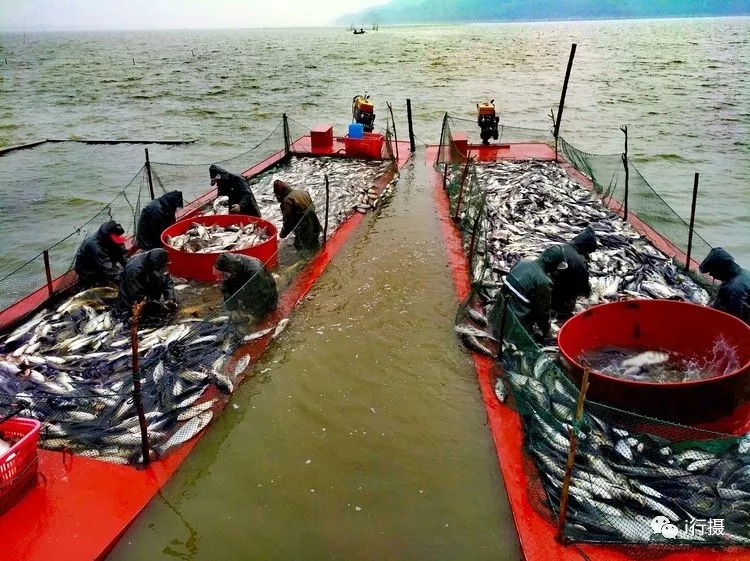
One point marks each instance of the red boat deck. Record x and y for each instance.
(535, 533)
(80, 507)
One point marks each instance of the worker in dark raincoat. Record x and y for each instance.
(298, 213)
(528, 286)
(734, 292)
(246, 284)
(236, 187)
(101, 256)
(156, 217)
(573, 281)
(146, 277)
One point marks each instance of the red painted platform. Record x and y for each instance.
(80, 507)
(536, 533)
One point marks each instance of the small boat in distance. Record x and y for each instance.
(359, 31)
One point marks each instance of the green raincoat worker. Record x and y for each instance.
(529, 288)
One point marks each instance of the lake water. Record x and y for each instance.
(387, 410)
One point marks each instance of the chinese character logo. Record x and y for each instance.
(662, 525)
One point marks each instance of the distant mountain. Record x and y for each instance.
(459, 11)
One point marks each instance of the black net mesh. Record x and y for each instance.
(31, 276)
(639, 482)
(71, 363)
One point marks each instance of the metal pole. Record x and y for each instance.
(138, 402)
(564, 90)
(411, 126)
(286, 134)
(150, 180)
(442, 138)
(48, 272)
(692, 221)
(563, 510)
(395, 135)
(624, 129)
(461, 188)
(325, 228)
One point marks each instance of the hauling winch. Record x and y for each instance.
(487, 121)
(363, 112)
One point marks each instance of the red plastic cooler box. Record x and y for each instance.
(371, 146)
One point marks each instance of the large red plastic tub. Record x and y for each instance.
(681, 327)
(18, 465)
(199, 266)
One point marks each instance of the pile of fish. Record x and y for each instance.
(532, 205)
(212, 239)
(622, 479)
(350, 188)
(71, 368)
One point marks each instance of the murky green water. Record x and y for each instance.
(360, 434)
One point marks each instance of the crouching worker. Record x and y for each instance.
(298, 214)
(573, 281)
(146, 277)
(101, 257)
(157, 216)
(734, 292)
(237, 189)
(246, 284)
(529, 288)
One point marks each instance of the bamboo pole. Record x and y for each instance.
(563, 511)
(138, 402)
(48, 273)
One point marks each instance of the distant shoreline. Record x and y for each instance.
(369, 25)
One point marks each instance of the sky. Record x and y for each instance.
(64, 15)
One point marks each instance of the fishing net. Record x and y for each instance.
(71, 363)
(644, 484)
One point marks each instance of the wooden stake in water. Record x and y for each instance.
(138, 402)
(563, 511)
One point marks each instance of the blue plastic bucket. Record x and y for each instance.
(356, 130)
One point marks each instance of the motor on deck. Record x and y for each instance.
(363, 112)
(487, 121)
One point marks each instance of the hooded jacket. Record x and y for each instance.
(143, 278)
(249, 286)
(734, 292)
(237, 189)
(572, 282)
(530, 289)
(99, 259)
(298, 213)
(156, 217)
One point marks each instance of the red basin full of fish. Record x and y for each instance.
(676, 328)
(199, 265)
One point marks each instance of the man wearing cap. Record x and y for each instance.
(156, 217)
(246, 284)
(573, 281)
(734, 292)
(236, 187)
(528, 285)
(146, 277)
(298, 214)
(101, 256)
